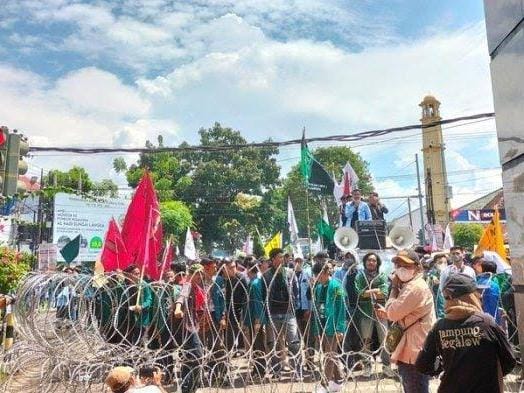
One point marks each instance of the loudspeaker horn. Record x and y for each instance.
(346, 238)
(402, 237)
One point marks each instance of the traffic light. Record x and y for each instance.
(17, 149)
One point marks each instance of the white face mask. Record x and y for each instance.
(441, 267)
(404, 274)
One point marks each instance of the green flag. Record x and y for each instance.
(325, 230)
(70, 250)
(315, 176)
(306, 159)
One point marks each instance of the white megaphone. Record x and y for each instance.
(402, 237)
(346, 238)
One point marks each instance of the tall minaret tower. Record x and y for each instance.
(437, 196)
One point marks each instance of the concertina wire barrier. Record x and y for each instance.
(71, 346)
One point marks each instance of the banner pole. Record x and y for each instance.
(146, 256)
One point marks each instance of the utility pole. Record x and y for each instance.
(422, 234)
(410, 213)
(40, 213)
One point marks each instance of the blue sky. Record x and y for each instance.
(105, 73)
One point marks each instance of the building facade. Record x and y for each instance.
(505, 32)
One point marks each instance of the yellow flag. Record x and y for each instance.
(492, 238)
(275, 242)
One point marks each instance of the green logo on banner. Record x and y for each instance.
(95, 243)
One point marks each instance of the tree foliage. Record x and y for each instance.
(333, 159)
(219, 186)
(176, 217)
(171, 173)
(467, 235)
(77, 179)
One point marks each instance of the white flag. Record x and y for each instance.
(189, 246)
(293, 230)
(434, 244)
(448, 239)
(248, 246)
(348, 183)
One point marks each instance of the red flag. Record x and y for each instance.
(167, 258)
(139, 238)
(114, 253)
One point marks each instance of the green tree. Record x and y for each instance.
(467, 235)
(219, 176)
(105, 187)
(333, 159)
(77, 179)
(170, 172)
(210, 183)
(176, 217)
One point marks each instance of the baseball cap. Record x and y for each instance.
(119, 377)
(458, 284)
(196, 268)
(406, 256)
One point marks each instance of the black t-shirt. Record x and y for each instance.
(236, 294)
(354, 218)
(471, 351)
(280, 290)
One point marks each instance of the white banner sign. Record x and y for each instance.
(75, 215)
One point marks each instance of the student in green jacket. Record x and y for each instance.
(372, 287)
(255, 320)
(140, 311)
(329, 323)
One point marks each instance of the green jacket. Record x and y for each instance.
(146, 302)
(256, 306)
(361, 285)
(329, 300)
(163, 299)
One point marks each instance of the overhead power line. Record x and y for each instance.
(339, 138)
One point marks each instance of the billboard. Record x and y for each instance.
(75, 215)
(479, 215)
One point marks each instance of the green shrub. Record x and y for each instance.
(13, 267)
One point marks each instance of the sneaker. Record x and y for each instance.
(388, 372)
(334, 387)
(320, 389)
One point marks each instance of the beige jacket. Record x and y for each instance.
(414, 302)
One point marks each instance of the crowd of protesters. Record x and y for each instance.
(280, 312)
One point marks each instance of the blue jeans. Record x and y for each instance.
(282, 329)
(412, 380)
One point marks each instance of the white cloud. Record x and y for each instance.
(152, 35)
(224, 61)
(93, 91)
(89, 107)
